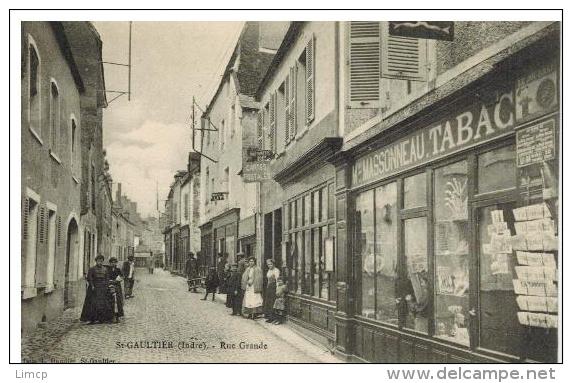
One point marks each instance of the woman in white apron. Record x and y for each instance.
(252, 286)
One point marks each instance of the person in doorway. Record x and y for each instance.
(272, 276)
(235, 290)
(211, 284)
(150, 264)
(242, 262)
(116, 292)
(128, 270)
(221, 269)
(252, 286)
(280, 302)
(191, 272)
(97, 305)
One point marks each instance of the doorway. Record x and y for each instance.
(71, 254)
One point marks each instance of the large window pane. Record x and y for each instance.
(365, 249)
(497, 169)
(331, 200)
(451, 253)
(416, 290)
(386, 252)
(300, 261)
(308, 259)
(316, 239)
(414, 191)
(324, 282)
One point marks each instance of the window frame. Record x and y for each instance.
(55, 126)
(36, 131)
(475, 201)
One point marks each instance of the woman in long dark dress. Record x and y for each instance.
(115, 278)
(97, 306)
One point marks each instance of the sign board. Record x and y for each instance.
(536, 143)
(329, 253)
(256, 164)
(434, 30)
(218, 196)
(537, 92)
(467, 127)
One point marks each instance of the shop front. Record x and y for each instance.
(247, 236)
(448, 229)
(206, 257)
(225, 231)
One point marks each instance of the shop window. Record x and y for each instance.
(307, 203)
(316, 257)
(308, 258)
(416, 289)
(497, 170)
(364, 240)
(316, 206)
(300, 253)
(414, 191)
(451, 253)
(385, 252)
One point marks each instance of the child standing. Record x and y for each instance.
(280, 302)
(211, 283)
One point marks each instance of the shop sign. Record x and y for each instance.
(536, 144)
(435, 30)
(218, 196)
(256, 164)
(471, 126)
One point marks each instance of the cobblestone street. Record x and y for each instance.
(163, 310)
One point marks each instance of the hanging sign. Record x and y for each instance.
(256, 164)
(434, 30)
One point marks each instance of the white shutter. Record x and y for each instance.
(272, 133)
(293, 116)
(364, 64)
(260, 129)
(310, 92)
(287, 110)
(403, 58)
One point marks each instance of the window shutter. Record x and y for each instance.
(41, 224)
(364, 64)
(260, 129)
(403, 58)
(310, 96)
(272, 132)
(287, 109)
(59, 234)
(293, 117)
(25, 217)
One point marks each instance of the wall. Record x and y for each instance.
(50, 177)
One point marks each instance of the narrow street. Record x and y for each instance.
(164, 314)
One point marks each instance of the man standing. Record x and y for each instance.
(191, 272)
(128, 271)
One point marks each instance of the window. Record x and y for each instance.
(306, 232)
(222, 135)
(55, 109)
(416, 290)
(226, 181)
(414, 191)
(73, 139)
(376, 229)
(452, 253)
(186, 204)
(497, 169)
(34, 90)
(232, 119)
(207, 191)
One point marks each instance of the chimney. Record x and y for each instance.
(118, 192)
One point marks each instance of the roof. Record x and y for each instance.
(65, 47)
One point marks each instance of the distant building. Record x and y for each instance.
(229, 205)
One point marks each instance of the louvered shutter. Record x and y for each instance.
(260, 129)
(272, 132)
(59, 238)
(287, 110)
(25, 217)
(41, 224)
(310, 92)
(293, 116)
(364, 64)
(403, 58)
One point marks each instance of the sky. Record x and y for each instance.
(148, 138)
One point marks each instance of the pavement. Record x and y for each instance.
(164, 323)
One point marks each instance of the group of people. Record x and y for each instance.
(242, 283)
(104, 294)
